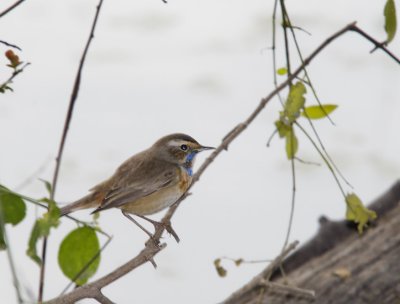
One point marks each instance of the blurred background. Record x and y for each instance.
(198, 68)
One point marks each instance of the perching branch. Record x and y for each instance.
(74, 96)
(150, 250)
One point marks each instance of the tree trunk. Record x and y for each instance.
(340, 265)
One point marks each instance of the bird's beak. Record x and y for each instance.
(203, 148)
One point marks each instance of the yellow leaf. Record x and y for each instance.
(357, 212)
(281, 71)
(318, 111)
(292, 144)
(282, 128)
(295, 101)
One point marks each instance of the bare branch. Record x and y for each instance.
(263, 277)
(9, 9)
(10, 45)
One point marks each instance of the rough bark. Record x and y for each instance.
(368, 266)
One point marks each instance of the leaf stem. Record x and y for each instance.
(328, 164)
(293, 171)
(3, 229)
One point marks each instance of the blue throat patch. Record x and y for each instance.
(189, 171)
(190, 157)
(188, 163)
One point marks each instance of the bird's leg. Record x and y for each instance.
(140, 226)
(167, 226)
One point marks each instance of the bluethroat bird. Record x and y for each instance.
(146, 183)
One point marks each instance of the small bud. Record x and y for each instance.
(14, 59)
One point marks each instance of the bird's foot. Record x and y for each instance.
(171, 231)
(167, 226)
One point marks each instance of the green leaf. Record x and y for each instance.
(76, 251)
(12, 211)
(282, 128)
(3, 244)
(42, 227)
(357, 212)
(295, 101)
(390, 20)
(12, 207)
(47, 185)
(281, 71)
(318, 111)
(291, 144)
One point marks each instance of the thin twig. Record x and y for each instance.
(10, 257)
(285, 24)
(309, 83)
(240, 261)
(274, 50)
(377, 44)
(326, 152)
(150, 249)
(263, 276)
(72, 101)
(10, 45)
(271, 137)
(286, 16)
(5, 84)
(306, 162)
(289, 290)
(32, 176)
(324, 158)
(9, 9)
(101, 298)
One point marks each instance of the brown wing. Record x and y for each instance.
(133, 181)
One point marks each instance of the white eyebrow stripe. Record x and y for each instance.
(176, 142)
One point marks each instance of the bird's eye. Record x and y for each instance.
(184, 147)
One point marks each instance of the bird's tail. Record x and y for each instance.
(85, 202)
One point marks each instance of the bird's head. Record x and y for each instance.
(178, 148)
